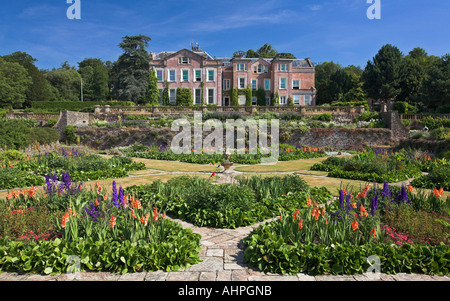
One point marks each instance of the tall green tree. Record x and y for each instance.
(153, 91)
(14, 82)
(437, 84)
(66, 82)
(132, 69)
(95, 79)
(382, 74)
(38, 90)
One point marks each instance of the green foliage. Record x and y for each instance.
(131, 70)
(14, 134)
(14, 178)
(56, 106)
(323, 117)
(70, 134)
(224, 206)
(184, 97)
(14, 83)
(382, 75)
(95, 77)
(153, 92)
(67, 83)
(436, 178)
(81, 167)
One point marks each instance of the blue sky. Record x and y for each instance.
(334, 30)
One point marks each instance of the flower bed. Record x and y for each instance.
(81, 166)
(338, 238)
(286, 153)
(228, 206)
(116, 233)
(377, 166)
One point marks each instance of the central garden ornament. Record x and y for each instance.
(227, 164)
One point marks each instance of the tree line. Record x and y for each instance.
(417, 79)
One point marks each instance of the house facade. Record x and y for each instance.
(213, 79)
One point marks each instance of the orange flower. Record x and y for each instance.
(132, 213)
(113, 221)
(96, 202)
(410, 188)
(354, 205)
(296, 213)
(155, 215)
(8, 196)
(438, 193)
(300, 224)
(363, 211)
(373, 232)
(65, 219)
(144, 220)
(323, 211)
(308, 202)
(136, 204)
(354, 225)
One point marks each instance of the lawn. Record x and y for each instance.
(282, 166)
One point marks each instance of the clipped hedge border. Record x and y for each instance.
(179, 250)
(269, 253)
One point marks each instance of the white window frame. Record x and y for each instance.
(283, 67)
(299, 84)
(267, 84)
(309, 100)
(260, 68)
(298, 100)
(285, 83)
(256, 84)
(194, 93)
(208, 90)
(174, 76)
(239, 82)
(195, 76)
(182, 75)
(254, 100)
(162, 74)
(239, 65)
(267, 101)
(284, 97)
(180, 60)
(241, 100)
(160, 96)
(226, 84)
(214, 76)
(174, 97)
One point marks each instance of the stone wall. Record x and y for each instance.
(394, 123)
(331, 139)
(77, 119)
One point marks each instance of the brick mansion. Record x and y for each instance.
(289, 79)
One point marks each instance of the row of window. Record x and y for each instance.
(261, 68)
(282, 83)
(185, 75)
(211, 97)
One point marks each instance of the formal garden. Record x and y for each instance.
(327, 215)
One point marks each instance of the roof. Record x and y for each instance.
(228, 61)
(161, 55)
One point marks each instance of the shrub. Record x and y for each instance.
(14, 134)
